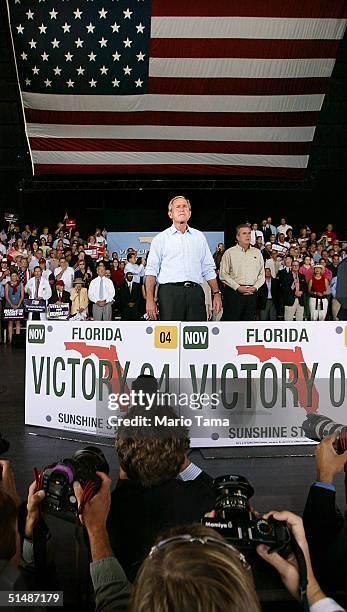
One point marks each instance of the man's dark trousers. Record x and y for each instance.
(238, 306)
(179, 303)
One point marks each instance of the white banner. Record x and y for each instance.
(268, 378)
(232, 384)
(72, 368)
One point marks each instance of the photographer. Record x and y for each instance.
(325, 527)
(14, 526)
(111, 587)
(158, 487)
(190, 568)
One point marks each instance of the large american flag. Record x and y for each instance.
(203, 87)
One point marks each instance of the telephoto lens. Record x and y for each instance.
(317, 426)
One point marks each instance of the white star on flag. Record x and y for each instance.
(80, 70)
(57, 70)
(30, 14)
(140, 56)
(27, 81)
(77, 13)
(32, 44)
(79, 42)
(36, 70)
(115, 27)
(48, 83)
(92, 83)
(140, 28)
(44, 56)
(127, 14)
(92, 56)
(116, 56)
(66, 27)
(103, 42)
(70, 83)
(90, 28)
(53, 14)
(115, 83)
(24, 56)
(20, 29)
(127, 42)
(103, 70)
(55, 43)
(68, 56)
(127, 70)
(102, 14)
(138, 83)
(42, 29)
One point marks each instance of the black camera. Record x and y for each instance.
(235, 521)
(57, 481)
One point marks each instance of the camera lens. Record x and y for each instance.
(233, 494)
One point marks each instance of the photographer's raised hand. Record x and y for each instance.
(288, 568)
(94, 517)
(33, 509)
(328, 462)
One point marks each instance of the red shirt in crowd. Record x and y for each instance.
(117, 277)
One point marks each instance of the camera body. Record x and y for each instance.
(58, 479)
(235, 521)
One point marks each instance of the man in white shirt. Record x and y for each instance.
(101, 292)
(136, 270)
(255, 232)
(35, 261)
(61, 236)
(65, 273)
(283, 227)
(38, 288)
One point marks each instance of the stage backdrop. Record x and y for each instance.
(141, 241)
(231, 383)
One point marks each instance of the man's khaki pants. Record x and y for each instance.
(296, 311)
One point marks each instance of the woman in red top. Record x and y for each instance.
(318, 287)
(117, 274)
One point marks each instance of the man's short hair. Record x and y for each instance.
(37, 268)
(178, 197)
(240, 226)
(130, 256)
(101, 263)
(152, 454)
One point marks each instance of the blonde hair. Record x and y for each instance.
(178, 197)
(194, 576)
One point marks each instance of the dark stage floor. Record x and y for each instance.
(281, 476)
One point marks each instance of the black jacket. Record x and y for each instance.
(54, 297)
(263, 292)
(286, 281)
(138, 515)
(326, 532)
(125, 298)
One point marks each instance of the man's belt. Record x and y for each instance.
(183, 284)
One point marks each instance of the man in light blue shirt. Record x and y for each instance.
(180, 259)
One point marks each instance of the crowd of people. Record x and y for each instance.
(272, 272)
(148, 548)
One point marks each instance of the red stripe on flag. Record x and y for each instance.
(257, 8)
(237, 87)
(191, 146)
(172, 118)
(292, 173)
(243, 47)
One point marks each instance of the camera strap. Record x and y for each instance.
(303, 581)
